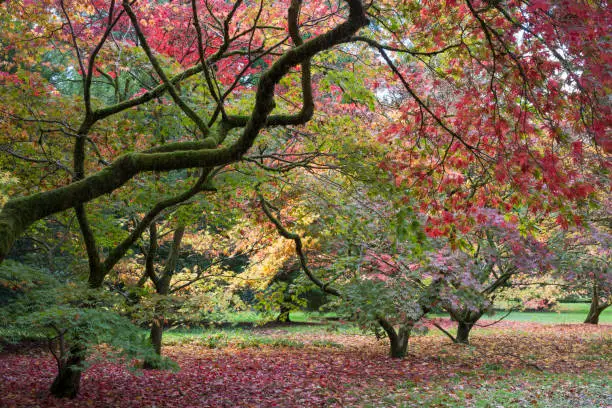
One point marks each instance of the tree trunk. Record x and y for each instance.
(398, 341)
(596, 307)
(466, 320)
(463, 332)
(593, 316)
(162, 285)
(157, 330)
(283, 316)
(68, 379)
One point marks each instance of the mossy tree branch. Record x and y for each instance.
(21, 212)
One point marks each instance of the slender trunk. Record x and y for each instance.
(157, 330)
(68, 379)
(162, 284)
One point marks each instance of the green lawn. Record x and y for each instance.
(566, 313)
(246, 336)
(236, 334)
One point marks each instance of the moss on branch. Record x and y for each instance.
(21, 212)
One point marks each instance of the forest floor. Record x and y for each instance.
(511, 364)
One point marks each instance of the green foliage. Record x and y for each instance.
(205, 308)
(368, 300)
(246, 339)
(7, 180)
(67, 314)
(284, 295)
(352, 87)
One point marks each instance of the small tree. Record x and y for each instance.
(390, 306)
(583, 258)
(483, 262)
(161, 281)
(72, 319)
(194, 281)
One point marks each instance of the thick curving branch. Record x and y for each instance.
(21, 212)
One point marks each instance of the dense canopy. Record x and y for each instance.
(388, 158)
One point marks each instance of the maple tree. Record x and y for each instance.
(464, 105)
(366, 295)
(70, 318)
(489, 259)
(200, 280)
(583, 259)
(510, 47)
(179, 154)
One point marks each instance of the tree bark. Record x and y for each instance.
(398, 340)
(68, 380)
(463, 332)
(465, 322)
(399, 344)
(593, 316)
(596, 308)
(157, 331)
(162, 284)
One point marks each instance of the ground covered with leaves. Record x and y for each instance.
(508, 365)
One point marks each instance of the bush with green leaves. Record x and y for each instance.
(369, 300)
(67, 315)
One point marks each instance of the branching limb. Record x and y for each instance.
(298, 247)
(119, 251)
(19, 213)
(443, 330)
(375, 44)
(191, 114)
(496, 321)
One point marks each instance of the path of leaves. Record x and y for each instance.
(309, 376)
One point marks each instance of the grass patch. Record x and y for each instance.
(241, 338)
(514, 389)
(232, 337)
(259, 341)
